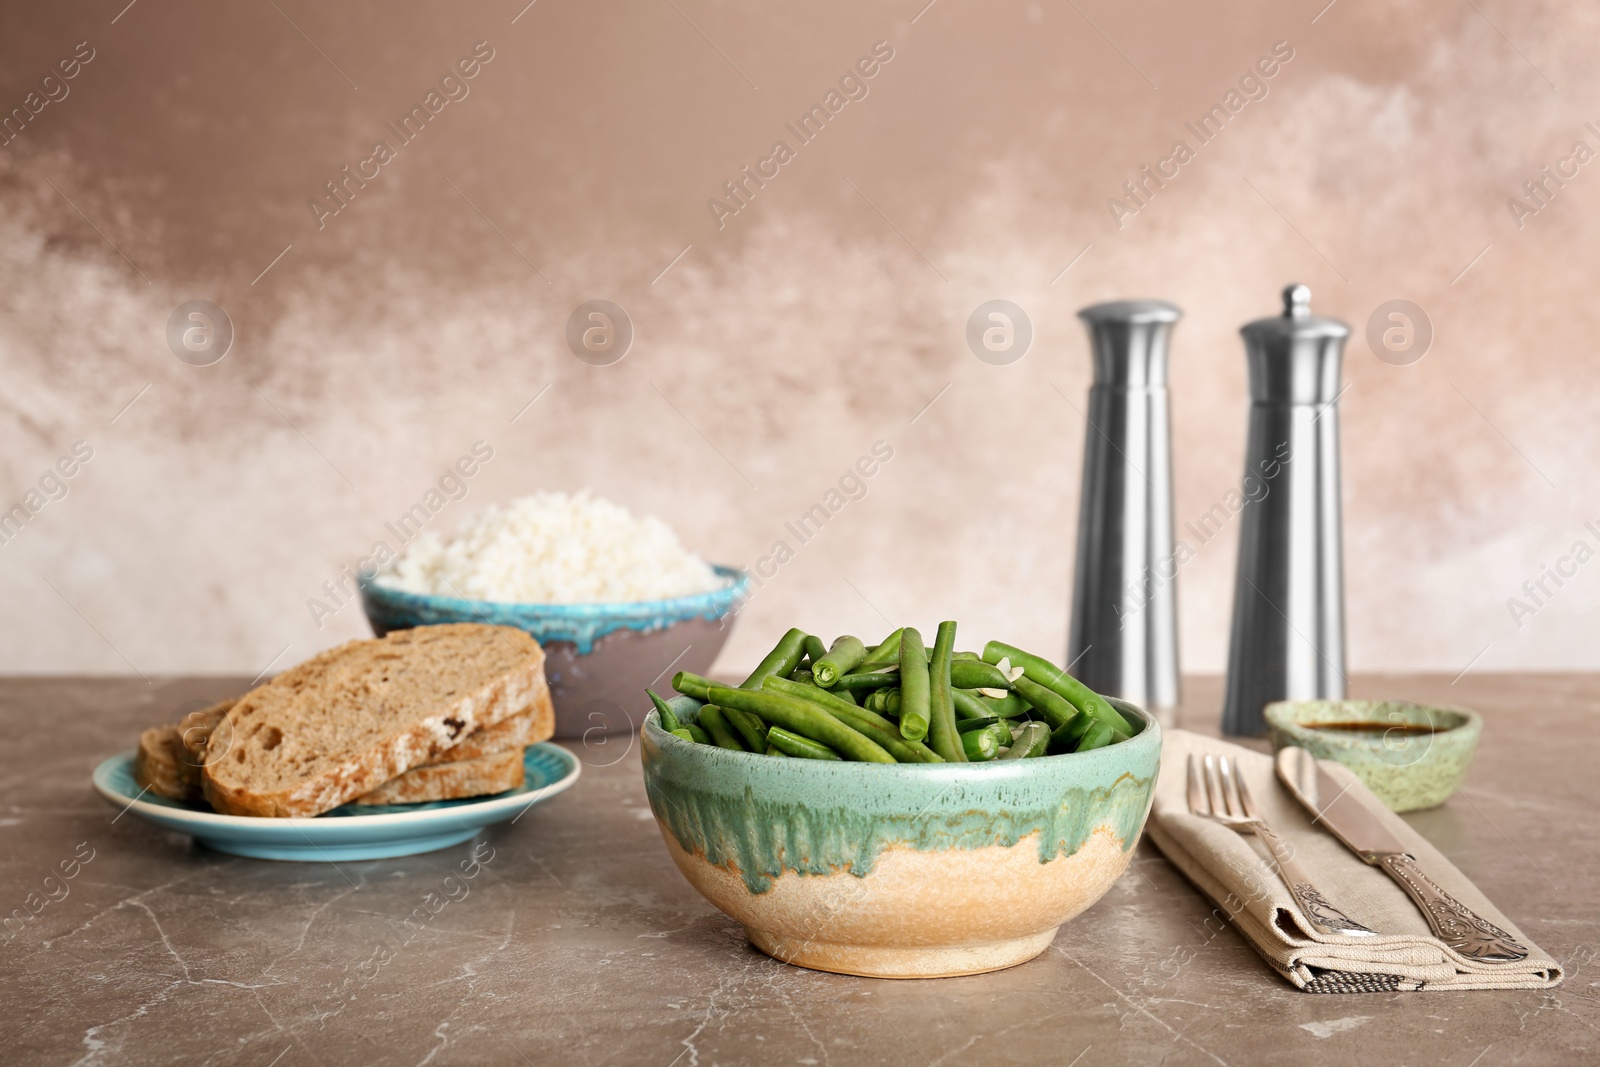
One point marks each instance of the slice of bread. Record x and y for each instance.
(155, 765)
(537, 723)
(171, 756)
(493, 773)
(350, 719)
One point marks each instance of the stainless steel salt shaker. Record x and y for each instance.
(1288, 600)
(1124, 637)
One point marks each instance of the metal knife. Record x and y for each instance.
(1351, 822)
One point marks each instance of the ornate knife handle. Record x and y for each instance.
(1452, 921)
(1324, 917)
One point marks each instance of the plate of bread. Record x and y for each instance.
(407, 743)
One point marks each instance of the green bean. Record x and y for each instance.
(698, 734)
(888, 736)
(843, 694)
(913, 686)
(874, 726)
(1002, 734)
(966, 726)
(883, 701)
(845, 655)
(964, 655)
(773, 750)
(783, 659)
(669, 721)
(683, 733)
(795, 745)
(1098, 735)
(1031, 740)
(970, 706)
(1052, 707)
(691, 685)
(978, 747)
(943, 737)
(715, 724)
(1054, 678)
(976, 674)
(1009, 706)
(804, 718)
(751, 730)
(815, 650)
(857, 683)
(882, 655)
(803, 676)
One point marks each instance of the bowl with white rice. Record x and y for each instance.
(614, 600)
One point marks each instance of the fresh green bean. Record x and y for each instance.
(888, 736)
(966, 726)
(698, 734)
(715, 724)
(804, 718)
(913, 686)
(976, 674)
(1052, 707)
(857, 683)
(795, 745)
(970, 706)
(874, 726)
(815, 650)
(882, 655)
(683, 733)
(1098, 735)
(1031, 740)
(1010, 706)
(943, 737)
(783, 659)
(964, 655)
(691, 685)
(1002, 733)
(1054, 678)
(669, 721)
(979, 747)
(845, 655)
(805, 676)
(773, 750)
(883, 701)
(751, 730)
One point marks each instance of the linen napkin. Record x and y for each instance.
(1236, 872)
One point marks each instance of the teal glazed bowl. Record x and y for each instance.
(903, 870)
(1411, 755)
(598, 657)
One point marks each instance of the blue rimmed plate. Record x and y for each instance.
(351, 832)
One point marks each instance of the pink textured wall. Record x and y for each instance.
(976, 162)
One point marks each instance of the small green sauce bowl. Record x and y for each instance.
(901, 870)
(1411, 755)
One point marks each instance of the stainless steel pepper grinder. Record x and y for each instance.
(1288, 598)
(1124, 638)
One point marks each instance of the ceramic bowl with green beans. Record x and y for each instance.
(895, 810)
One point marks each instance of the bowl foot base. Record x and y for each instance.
(884, 961)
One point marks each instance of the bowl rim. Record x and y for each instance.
(717, 601)
(1278, 714)
(1151, 734)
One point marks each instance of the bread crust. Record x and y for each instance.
(428, 735)
(493, 773)
(156, 763)
(171, 756)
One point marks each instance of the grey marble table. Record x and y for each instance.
(578, 942)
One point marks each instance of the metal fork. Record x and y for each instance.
(1219, 792)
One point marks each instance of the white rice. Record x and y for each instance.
(551, 548)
